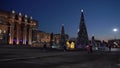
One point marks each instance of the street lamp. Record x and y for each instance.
(115, 30)
(115, 41)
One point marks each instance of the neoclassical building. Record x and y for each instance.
(17, 29)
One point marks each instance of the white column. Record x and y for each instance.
(30, 36)
(24, 35)
(11, 33)
(17, 29)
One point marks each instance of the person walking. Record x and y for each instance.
(44, 47)
(64, 48)
(109, 48)
(89, 48)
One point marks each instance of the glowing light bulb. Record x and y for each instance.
(25, 15)
(115, 29)
(82, 10)
(19, 14)
(13, 11)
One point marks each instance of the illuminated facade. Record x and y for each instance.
(70, 45)
(44, 37)
(17, 29)
(56, 38)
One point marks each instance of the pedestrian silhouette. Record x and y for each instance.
(89, 48)
(109, 48)
(44, 46)
(64, 48)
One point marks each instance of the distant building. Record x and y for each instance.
(17, 29)
(82, 39)
(52, 39)
(43, 37)
(57, 38)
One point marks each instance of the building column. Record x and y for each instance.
(11, 27)
(11, 34)
(18, 33)
(24, 34)
(30, 36)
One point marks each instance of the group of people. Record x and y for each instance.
(90, 50)
(88, 47)
(45, 46)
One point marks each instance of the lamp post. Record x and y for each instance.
(115, 41)
(115, 30)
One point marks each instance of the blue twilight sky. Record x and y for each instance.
(101, 16)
